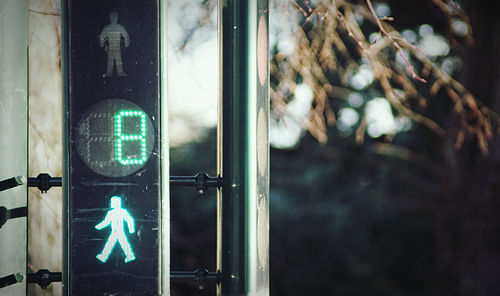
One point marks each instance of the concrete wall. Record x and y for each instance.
(13, 139)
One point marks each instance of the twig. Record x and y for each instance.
(453, 4)
(349, 31)
(44, 12)
(398, 47)
(307, 5)
(304, 13)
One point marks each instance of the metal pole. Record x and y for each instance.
(245, 110)
(234, 145)
(219, 148)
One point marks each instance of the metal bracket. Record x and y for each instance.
(202, 181)
(44, 182)
(6, 214)
(11, 280)
(43, 277)
(12, 182)
(200, 276)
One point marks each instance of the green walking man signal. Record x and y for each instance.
(115, 217)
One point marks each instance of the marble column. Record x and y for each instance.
(45, 139)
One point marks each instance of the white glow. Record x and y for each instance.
(193, 92)
(450, 64)
(434, 45)
(359, 18)
(402, 124)
(192, 73)
(379, 117)
(303, 99)
(399, 57)
(355, 100)
(425, 30)
(285, 20)
(348, 117)
(459, 27)
(409, 35)
(374, 37)
(382, 9)
(285, 44)
(286, 132)
(363, 78)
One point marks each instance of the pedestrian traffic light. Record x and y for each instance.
(113, 147)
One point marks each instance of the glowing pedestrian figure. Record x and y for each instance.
(110, 39)
(115, 218)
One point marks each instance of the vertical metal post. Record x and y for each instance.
(234, 145)
(165, 155)
(245, 112)
(219, 148)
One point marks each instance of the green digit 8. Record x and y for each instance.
(122, 138)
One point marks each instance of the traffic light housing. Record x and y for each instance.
(113, 148)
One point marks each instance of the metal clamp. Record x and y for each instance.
(44, 182)
(202, 181)
(43, 277)
(200, 277)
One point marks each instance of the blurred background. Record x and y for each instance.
(385, 159)
(381, 183)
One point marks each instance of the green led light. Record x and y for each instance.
(116, 218)
(121, 137)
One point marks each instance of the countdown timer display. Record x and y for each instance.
(115, 138)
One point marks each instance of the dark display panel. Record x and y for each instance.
(115, 138)
(113, 165)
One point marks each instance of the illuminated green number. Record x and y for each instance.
(122, 137)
